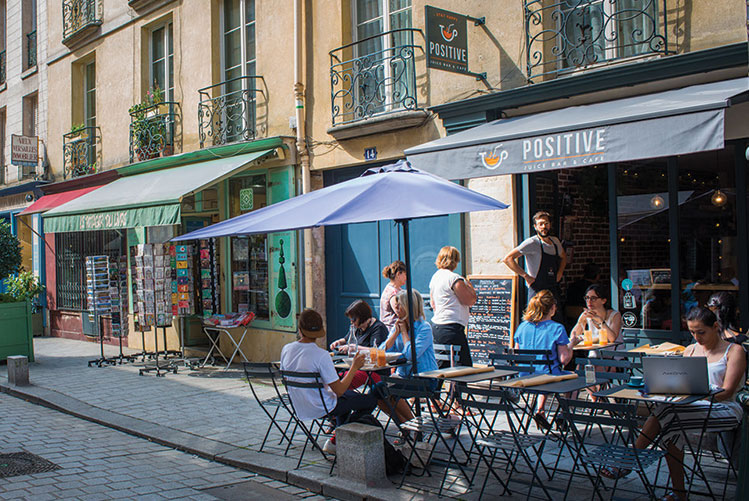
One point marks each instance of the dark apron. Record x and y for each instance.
(546, 278)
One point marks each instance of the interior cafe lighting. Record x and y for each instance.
(656, 202)
(719, 198)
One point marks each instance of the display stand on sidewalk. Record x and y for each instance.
(160, 371)
(97, 295)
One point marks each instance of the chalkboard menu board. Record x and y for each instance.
(491, 317)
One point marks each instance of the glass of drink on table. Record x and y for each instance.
(381, 358)
(587, 337)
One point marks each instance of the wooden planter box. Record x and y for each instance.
(15, 330)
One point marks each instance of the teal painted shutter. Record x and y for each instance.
(283, 257)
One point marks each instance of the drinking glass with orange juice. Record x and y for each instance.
(587, 337)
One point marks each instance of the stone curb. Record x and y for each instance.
(279, 468)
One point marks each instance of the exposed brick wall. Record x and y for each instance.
(584, 229)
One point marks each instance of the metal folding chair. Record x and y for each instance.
(620, 453)
(427, 425)
(512, 443)
(268, 372)
(308, 381)
(447, 353)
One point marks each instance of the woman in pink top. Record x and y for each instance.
(396, 273)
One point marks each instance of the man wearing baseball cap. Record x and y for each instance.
(304, 355)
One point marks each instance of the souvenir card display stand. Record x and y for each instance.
(118, 301)
(98, 299)
(152, 286)
(183, 288)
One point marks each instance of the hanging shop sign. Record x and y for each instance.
(24, 150)
(447, 40)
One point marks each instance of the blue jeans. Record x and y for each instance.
(351, 405)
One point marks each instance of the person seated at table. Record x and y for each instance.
(603, 322)
(539, 332)
(726, 366)
(370, 332)
(399, 339)
(723, 304)
(338, 401)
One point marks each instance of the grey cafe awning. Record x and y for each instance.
(673, 122)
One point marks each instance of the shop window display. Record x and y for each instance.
(249, 255)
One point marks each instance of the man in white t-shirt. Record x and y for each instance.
(305, 356)
(545, 260)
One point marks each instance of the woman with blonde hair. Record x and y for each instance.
(399, 339)
(395, 272)
(451, 295)
(539, 332)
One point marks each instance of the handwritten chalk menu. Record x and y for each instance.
(491, 317)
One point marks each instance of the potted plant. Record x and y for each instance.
(78, 132)
(15, 303)
(148, 124)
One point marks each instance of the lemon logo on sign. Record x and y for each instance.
(494, 158)
(448, 33)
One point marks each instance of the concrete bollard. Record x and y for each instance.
(360, 454)
(18, 370)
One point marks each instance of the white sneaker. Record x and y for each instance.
(329, 447)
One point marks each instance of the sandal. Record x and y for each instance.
(613, 472)
(670, 496)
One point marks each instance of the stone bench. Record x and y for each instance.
(18, 370)
(360, 454)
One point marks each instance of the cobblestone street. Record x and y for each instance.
(98, 463)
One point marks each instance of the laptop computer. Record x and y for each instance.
(676, 375)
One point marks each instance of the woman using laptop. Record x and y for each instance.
(726, 366)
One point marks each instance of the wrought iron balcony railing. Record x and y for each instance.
(153, 130)
(81, 149)
(77, 15)
(2, 67)
(374, 76)
(231, 116)
(565, 35)
(31, 49)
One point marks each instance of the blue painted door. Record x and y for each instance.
(355, 255)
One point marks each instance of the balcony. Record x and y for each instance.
(564, 36)
(30, 49)
(375, 77)
(80, 19)
(81, 148)
(2, 67)
(153, 130)
(230, 116)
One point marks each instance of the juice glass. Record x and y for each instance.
(587, 337)
(381, 358)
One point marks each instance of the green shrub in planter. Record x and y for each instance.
(10, 251)
(24, 286)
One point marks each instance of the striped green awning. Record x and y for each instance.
(148, 199)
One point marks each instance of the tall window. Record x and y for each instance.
(30, 114)
(2, 145)
(162, 60)
(239, 38)
(383, 76)
(29, 33)
(238, 61)
(3, 43)
(89, 94)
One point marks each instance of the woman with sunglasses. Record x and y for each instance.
(602, 321)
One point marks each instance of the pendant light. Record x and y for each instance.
(657, 202)
(719, 198)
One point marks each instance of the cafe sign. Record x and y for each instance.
(24, 150)
(447, 40)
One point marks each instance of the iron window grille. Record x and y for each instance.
(78, 15)
(80, 152)
(31, 49)
(566, 35)
(231, 116)
(153, 131)
(374, 76)
(71, 250)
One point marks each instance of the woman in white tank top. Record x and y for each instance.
(726, 363)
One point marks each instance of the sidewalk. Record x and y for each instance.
(207, 412)
(211, 413)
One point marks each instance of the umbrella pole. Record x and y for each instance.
(411, 327)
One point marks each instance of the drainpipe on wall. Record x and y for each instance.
(301, 141)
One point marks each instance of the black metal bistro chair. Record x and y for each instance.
(255, 371)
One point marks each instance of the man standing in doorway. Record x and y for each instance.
(545, 261)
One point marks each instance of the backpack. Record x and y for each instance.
(395, 461)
